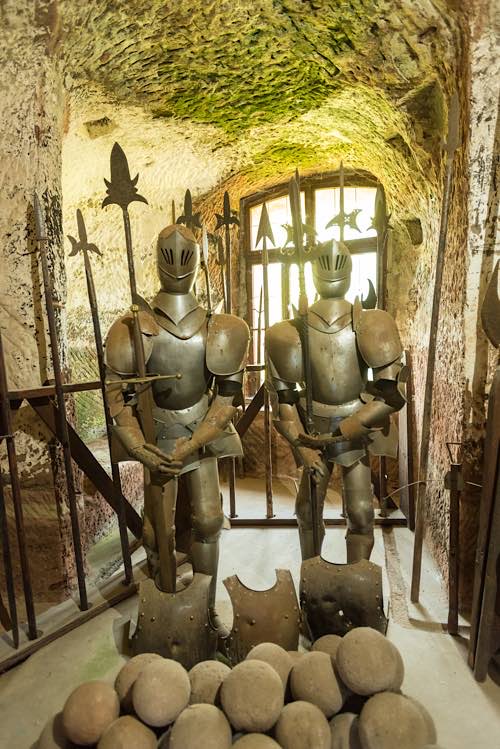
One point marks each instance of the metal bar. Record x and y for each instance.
(251, 411)
(13, 624)
(268, 456)
(17, 501)
(115, 470)
(49, 391)
(453, 559)
(278, 522)
(87, 462)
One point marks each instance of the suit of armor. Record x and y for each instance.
(192, 415)
(345, 341)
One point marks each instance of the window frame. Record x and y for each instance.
(308, 183)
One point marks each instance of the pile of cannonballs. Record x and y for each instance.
(345, 693)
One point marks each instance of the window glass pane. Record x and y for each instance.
(274, 272)
(327, 203)
(279, 214)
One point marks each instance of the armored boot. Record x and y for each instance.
(359, 545)
(205, 559)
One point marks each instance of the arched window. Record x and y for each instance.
(320, 203)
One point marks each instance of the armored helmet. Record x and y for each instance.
(178, 257)
(332, 267)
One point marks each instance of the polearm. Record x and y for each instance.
(298, 240)
(122, 191)
(425, 433)
(204, 262)
(265, 232)
(41, 236)
(83, 246)
(9, 619)
(225, 220)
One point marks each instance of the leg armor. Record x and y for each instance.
(303, 512)
(358, 492)
(159, 533)
(206, 520)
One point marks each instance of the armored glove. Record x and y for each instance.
(149, 455)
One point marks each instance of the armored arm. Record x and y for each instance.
(380, 347)
(120, 361)
(227, 344)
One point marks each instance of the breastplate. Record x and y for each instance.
(263, 615)
(338, 373)
(186, 356)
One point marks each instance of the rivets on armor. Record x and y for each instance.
(191, 617)
(143, 600)
(142, 614)
(252, 622)
(153, 618)
(286, 616)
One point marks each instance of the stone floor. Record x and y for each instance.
(467, 714)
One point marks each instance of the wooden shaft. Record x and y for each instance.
(9, 572)
(115, 470)
(453, 559)
(267, 410)
(229, 294)
(16, 494)
(61, 410)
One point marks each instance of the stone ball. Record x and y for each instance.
(344, 729)
(161, 692)
(256, 741)
(53, 735)
(302, 724)
(252, 696)
(127, 733)
(400, 669)
(127, 676)
(392, 721)
(367, 662)
(314, 680)
(276, 656)
(206, 679)
(429, 722)
(327, 644)
(88, 711)
(201, 727)
(295, 655)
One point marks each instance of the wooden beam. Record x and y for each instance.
(48, 391)
(88, 463)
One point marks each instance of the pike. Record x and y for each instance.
(298, 240)
(425, 432)
(83, 246)
(42, 240)
(226, 220)
(265, 232)
(189, 219)
(342, 218)
(121, 191)
(204, 262)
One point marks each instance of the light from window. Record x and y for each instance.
(327, 201)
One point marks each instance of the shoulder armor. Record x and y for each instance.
(284, 351)
(227, 344)
(119, 345)
(377, 337)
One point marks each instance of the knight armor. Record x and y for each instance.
(192, 412)
(345, 343)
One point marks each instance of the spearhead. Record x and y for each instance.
(82, 244)
(265, 230)
(121, 188)
(41, 232)
(229, 216)
(188, 218)
(490, 309)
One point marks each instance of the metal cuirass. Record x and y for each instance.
(336, 598)
(263, 615)
(176, 625)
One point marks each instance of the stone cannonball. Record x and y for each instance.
(252, 696)
(161, 692)
(53, 735)
(302, 725)
(256, 741)
(314, 680)
(276, 656)
(391, 721)
(127, 733)
(367, 662)
(327, 644)
(127, 676)
(201, 727)
(429, 722)
(206, 679)
(295, 655)
(400, 670)
(88, 711)
(345, 731)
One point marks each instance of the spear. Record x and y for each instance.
(298, 240)
(342, 218)
(265, 232)
(204, 262)
(122, 191)
(82, 245)
(42, 240)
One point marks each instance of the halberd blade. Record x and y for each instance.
(265, 229)
(371, 300)
(82, 244)
(188, 218)
(121, 188)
